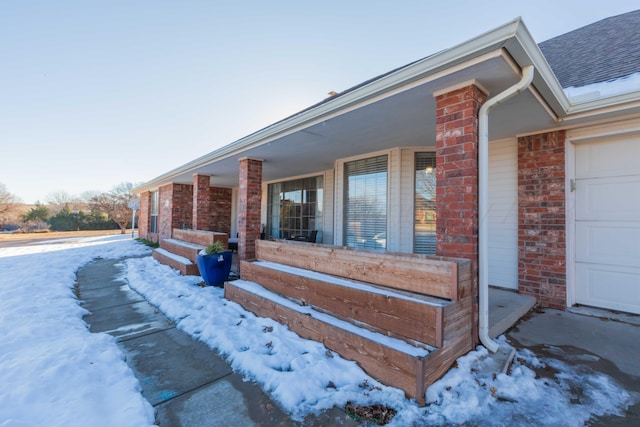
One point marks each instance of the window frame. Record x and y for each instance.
(154, 208)
(373, 234)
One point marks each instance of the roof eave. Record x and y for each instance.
(512, 36)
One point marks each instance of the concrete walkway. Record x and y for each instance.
(191, 385)
(602, 341)
(187, 383)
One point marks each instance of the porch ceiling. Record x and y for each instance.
(404, 117)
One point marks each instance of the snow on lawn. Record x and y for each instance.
(54, 372)
(305, 378)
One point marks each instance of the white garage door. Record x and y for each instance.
(503, 213)
(607, 260)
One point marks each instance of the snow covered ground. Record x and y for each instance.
(54, 372)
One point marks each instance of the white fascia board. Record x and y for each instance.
(439, 63)
(617, 103)
(525, 51)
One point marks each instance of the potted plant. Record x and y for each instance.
(214, 263)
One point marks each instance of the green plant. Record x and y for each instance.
(215, 248)
(148, 243)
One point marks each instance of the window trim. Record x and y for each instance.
(154, 209)
(339, 190)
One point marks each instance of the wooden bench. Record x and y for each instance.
(404, 318)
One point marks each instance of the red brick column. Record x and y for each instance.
(457, 179)
(144, 215)
(175, 208)
(220, 213)
(201, 217)
(542, 266)
(249, 205)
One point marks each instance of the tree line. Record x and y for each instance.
(62, 212)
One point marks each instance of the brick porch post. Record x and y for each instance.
(249, 207)
(220, 209)
(144, 215)
(542, 264)
(201, 202)
(457, 178)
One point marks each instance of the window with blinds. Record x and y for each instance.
(365, 203)
(153, 223)
(424, 241)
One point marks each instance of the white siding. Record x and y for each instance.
(407, 194)
(338, 206)
(394, 195)
(503, 213)
(327, 208)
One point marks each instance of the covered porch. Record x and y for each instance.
(390, 169)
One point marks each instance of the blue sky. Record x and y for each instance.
(94, 93)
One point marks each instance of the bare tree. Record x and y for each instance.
(115, 204)
(60, 199)
(8, 205)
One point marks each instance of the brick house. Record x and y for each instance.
(518, 156)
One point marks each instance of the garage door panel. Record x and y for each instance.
(593, 242)
(607, 223)
(608, 198)
(616, 288)
(608, 157)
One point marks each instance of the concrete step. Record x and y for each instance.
(506, 307)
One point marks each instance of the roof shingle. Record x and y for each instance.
(605, 50)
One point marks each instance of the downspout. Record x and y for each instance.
(483, 202)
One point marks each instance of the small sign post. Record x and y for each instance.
(134, 205)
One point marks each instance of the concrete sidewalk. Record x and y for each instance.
(191, 385)
(602, 341)
(187, 383)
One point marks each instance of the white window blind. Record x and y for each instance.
(365, 203)
(153, 226)
(424, 241)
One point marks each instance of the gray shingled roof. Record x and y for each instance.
(605, 50)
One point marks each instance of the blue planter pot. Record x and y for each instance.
(214, 268)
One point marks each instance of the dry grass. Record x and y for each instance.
(11, 239)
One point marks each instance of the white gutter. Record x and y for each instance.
(483, 202)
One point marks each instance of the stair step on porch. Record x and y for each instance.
(180, 263)
(390, 360)
(184, 249)
(407, 316)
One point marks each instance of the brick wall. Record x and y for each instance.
(541, 218)
(457, 173)
(249, 207)
(221, 209)
(457, 181)
(202, 203)
(144, 215)
(176, 208)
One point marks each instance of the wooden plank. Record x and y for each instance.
(199, 237)
(422, 274)
(388, 365)
(457, 320)
(410, 320)
(184, 269)
(178, 249)
(441, 360)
